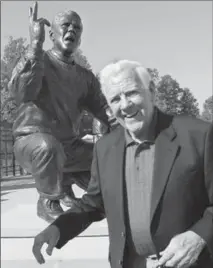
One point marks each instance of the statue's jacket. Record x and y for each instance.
(51, 94)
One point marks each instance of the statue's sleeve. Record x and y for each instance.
(26, 80)
(96, 103)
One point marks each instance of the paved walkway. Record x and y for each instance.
(19, 225)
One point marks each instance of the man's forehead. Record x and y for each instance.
(123, 80)
(135, 78)
(67, 14)
(121, 85)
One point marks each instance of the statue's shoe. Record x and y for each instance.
(69, 198)
(49, 210)
(69, 201)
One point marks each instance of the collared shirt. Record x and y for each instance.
(138, 181)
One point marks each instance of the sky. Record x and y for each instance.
(174, 37)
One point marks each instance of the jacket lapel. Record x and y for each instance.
(166, 150)
(117, 158)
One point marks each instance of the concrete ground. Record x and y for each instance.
(19, 225)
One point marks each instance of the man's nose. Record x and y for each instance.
(71, 28)
(125, 104)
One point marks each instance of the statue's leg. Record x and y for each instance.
(81, 179)
(43, 156)
(77, 168)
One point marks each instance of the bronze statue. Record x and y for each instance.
(51, 91)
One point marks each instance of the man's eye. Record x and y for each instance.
(77, 27)
(114, 100)
(65, 24)
(132, 93)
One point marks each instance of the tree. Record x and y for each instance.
(173, 99)
(207, 113)
(154, 74)
(189, 104)
(12, 53)
(168, 95)
(160, 102)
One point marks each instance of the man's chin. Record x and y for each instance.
(134, 129)
(69, 49)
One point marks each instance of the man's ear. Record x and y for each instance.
(51, 35)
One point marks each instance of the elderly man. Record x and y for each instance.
(51, 91)
(152, 178)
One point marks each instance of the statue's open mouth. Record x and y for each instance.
(70, 38)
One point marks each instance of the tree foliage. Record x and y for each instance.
(171, 98)
(207, 113)
(12, 53)
(189, 104)
(14, 49)
(154, 74)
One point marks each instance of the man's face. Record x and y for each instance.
(131, 103)
(66, 32)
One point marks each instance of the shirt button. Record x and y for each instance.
(122, 234)
(120, 262)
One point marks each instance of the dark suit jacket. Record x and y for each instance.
(182, 194)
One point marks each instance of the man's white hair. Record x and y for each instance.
(131, 69)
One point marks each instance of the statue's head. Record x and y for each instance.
(66, 30)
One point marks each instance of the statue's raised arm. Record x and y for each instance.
(37, 26)
(26, 80)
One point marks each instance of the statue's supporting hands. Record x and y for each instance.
(37, 27)
(50, 236)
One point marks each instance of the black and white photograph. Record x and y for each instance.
(106, 134)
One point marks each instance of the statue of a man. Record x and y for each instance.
(51, 90)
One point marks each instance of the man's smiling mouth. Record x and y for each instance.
(131, 115)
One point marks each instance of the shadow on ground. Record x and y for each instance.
(17, 187)
(2, 194)
(14, 178)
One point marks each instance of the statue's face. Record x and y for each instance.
(66, 32)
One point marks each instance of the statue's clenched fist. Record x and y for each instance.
(37, 31)
(50, 236)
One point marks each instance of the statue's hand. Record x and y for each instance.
(37, 31)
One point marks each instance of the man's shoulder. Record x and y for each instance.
(190, 124)
(110, 139)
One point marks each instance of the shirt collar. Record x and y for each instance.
(129, 140)
(70, 61)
